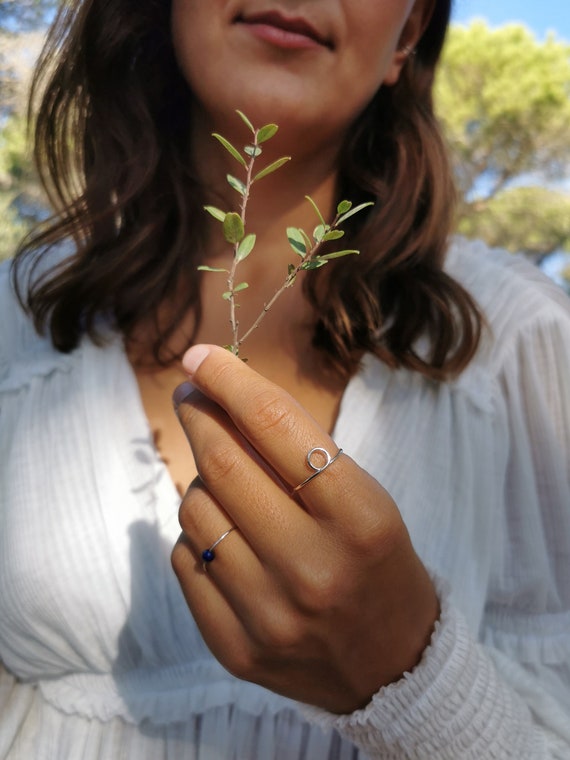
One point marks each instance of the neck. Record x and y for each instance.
(275, 202)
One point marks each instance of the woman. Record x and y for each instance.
(427, 620)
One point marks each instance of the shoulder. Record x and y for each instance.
(23, 352)
(515, 297)
(16, 329)
(496, 278)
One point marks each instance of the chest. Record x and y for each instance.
(88, 513)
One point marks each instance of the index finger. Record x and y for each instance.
(268, 417)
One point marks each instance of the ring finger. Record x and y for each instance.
(241, 484)
(235, 568)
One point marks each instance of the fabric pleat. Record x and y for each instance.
(101, 657)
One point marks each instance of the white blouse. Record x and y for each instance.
(101, 658)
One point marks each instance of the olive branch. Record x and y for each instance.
(306, 247)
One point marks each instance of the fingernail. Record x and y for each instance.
(194, 357)
(180, 393)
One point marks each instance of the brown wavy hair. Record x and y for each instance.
(111, 137)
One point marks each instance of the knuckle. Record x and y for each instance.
(375, 523)
(377, 536)
(218, 462)
(319, 586)
(278, 632)
(220, 375)
(272, 412)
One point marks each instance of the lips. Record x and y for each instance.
(293, 25)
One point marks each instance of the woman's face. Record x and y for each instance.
(305, 64)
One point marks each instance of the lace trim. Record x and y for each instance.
(167, 696)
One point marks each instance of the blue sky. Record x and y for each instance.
(540, 15)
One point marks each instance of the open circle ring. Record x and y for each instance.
(315, 452)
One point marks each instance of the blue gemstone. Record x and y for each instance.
(208, 555)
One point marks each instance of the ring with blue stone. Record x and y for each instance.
(209, 555)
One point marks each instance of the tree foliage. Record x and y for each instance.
(20, 21)
(504, 99)
(21, 200)
(20, 15)
(535, 220)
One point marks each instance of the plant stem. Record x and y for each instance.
(234, 227)
(234, 322)
(279, 292)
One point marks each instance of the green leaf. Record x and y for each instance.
(317, 210)
(272, 168)
(306, 238)
(227, 295)
(296, 240)
(230, 148)
(266, 132)
(245, 247)
(253, 150)
(233, 228)
(338, 254)
(236, 183)
(241, 286)
(246, 121)
(343, 207)
(353, 211)
(333, 235)
(319, 232)
(205, 268)
(315, 263)
(216, 213)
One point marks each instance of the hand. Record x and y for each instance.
(318, 596)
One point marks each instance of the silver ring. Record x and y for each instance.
(209, 554)
(317, 470)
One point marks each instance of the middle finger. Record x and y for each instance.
(243, 485)
(278, 428)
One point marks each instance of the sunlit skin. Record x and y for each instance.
(233, 56)
(317, 89)
(319, 596)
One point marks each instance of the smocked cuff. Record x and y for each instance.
(452, 706)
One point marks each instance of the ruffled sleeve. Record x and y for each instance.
(23, 353)
(504, 691)
(459, 703)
